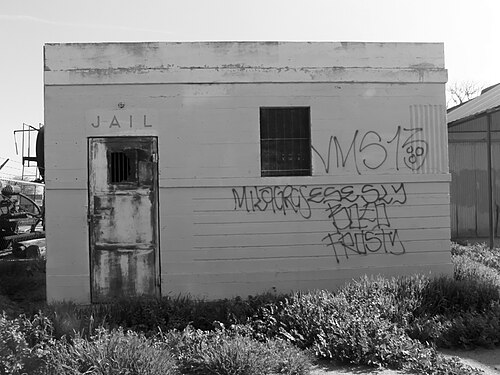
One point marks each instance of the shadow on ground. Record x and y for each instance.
(487, 360)
(332, 368)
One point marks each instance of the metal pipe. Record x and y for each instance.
(3, 164)
(490, 184)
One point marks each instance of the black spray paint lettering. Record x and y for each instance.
(390, 194)
(367, 217)
(358, 213)
(405, 143)
(282, 199)
(300, 199)
(364, 242)
(416, 150)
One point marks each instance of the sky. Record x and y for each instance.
(468, 29)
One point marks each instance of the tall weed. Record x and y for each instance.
(225, 352)
(480, 253)
(23, 283)
(151, 315)
(108, 353)
(444, 295)
(366, 322)
(466, 268)
(24, 344)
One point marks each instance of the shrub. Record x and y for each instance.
(225, 352)
(372, 321)
(23, 282)
(183, 311)
(479, 253)
(141, 314)
(10, 308)
(14, 350)
(108, 353)
(444, 295)
(467, 269)
(363, 323)
(151, 315)
(298, 319)
(430, 330)
(395, 299)
(475, 328)
(460, 312)
(24, 344)
(70, 319)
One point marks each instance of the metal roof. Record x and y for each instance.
(479, 105)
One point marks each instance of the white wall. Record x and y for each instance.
(380, 101)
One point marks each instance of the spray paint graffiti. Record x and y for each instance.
(358, 213)
(370, 151)
(278, 199)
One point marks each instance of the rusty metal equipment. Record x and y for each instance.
(13, 218)
(32, 152)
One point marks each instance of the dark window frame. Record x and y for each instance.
(292, 140)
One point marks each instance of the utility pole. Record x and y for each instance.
(490, 183)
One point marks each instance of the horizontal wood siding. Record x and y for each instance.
(224, 285)
(212, 132)
(208, 234)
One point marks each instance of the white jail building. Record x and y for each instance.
(217, 169)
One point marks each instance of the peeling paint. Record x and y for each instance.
(423, 66)
(109, 71)
(123, 217)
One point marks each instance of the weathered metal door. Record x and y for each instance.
(123, 217)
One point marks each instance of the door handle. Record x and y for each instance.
(92, 217)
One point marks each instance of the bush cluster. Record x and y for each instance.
(22, 282)
(227, 352)
(28, 347)
(362, 323)
(395, 323)
(151, 315)
(110, 352)
(479, 253)
(24, 344)
(468, 306)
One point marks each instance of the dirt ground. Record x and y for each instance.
(487, 360)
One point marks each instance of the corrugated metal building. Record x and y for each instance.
(468, 148)
(235, 168)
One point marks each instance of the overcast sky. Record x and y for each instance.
(469, 30)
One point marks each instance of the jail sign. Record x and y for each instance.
(106, 121)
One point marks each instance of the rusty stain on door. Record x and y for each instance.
(123, 217)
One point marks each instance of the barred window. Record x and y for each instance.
(285, 141)
(120, 167)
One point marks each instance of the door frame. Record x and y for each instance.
(156, 230)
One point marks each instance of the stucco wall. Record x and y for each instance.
(377, 200)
